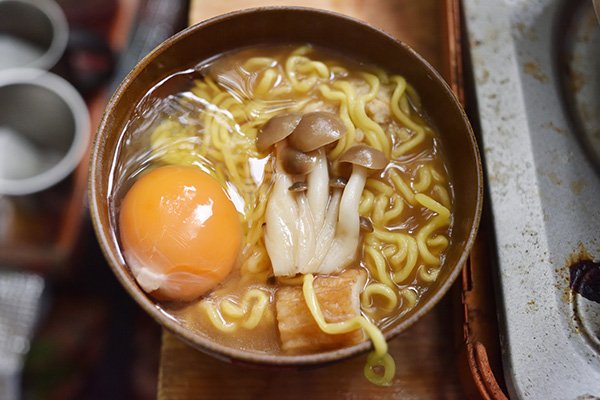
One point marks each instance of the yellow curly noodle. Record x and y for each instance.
(396, 257)
(400, 110)
(379, 357)
(302, 72)
(350, 137)
(393, 257)
(374, 290)
(229, 316)
(442, 219)
(409, 297)
(423, 179)
(402, 187)
(171, 143)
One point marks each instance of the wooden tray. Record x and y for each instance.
(445, 354)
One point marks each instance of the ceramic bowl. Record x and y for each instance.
(280, 25)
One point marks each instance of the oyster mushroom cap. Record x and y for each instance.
(365, 156)
(315, 130)
(276, 129)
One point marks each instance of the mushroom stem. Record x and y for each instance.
(325, 234)
(281, 230)
(305, 228)
(318, 188)
(345, 242)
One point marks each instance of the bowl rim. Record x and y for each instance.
(204, 343)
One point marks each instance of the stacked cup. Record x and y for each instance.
(44, 123)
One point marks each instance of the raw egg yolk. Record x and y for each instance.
(181, 235)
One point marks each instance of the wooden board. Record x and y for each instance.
(415, 22)
(425, 360)
(426, 355)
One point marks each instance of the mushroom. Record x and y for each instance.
(338, 183)
(364, 159)
(324, 210)
(315, 130)
(298, 187)
(281, 230)
(366, 224)
(295, 162)
(325, 235)
(301, 220)
(290, 232)
(276, 129)
(318, 188)
(364, 156)
(307, 231)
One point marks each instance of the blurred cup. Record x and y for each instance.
(44, 130)
(33, 33)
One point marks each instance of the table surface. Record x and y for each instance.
(426, 354)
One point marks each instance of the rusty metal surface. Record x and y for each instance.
(577, 58)
(544, 193)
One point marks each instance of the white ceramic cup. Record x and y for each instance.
(44, 130)
(33, 33)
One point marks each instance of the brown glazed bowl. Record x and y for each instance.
(293, 25)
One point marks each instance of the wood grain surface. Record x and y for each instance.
(426, 354)
(416, 22)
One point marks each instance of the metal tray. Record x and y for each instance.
(543, 189)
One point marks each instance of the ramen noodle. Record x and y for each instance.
(284, 199)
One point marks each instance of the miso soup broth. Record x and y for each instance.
(335, 190)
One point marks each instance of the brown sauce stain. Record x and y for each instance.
(577, 186)
(526, 31)
(535, 71)
(554, 178)
(555, 128)
(576, 81)
(532, 306)
(485, 76)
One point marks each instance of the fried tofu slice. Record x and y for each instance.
(339, 299)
